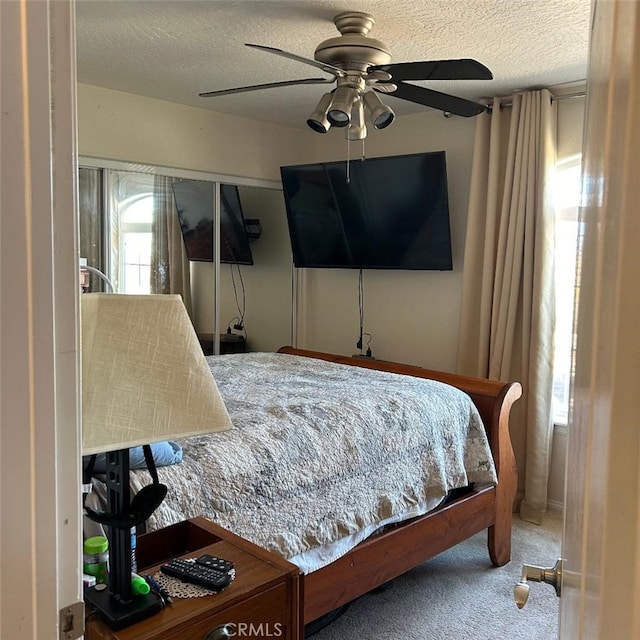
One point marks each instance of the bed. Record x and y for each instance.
(352, 500)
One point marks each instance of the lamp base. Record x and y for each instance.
(118, 615)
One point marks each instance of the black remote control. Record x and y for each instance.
(189, 571)
(213, 562)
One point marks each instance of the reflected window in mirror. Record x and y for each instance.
(129, 229)
(131, 216)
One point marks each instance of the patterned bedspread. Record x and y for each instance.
(320, 451)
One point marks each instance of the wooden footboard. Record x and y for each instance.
(389, 554)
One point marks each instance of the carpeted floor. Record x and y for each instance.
(459, 595)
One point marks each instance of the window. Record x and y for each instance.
(135, 244)
(566, 202)
(131, 229)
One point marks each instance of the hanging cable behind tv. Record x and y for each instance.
(237, 322)
(362, 352)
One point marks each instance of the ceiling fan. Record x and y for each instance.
(361, 68)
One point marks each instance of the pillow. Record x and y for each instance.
(164, 454)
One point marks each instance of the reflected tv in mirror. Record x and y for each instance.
(194, 202)
(378, 213)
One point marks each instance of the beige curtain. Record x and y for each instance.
(91, 222)
(169, 263)
(507, 314)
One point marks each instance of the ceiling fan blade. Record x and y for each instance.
(328, 68)
(269, 85)
(463, 69)
(437, 100)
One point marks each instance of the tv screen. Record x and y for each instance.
(194, 201)
(385, 213)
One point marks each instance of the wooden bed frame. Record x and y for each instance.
(401, 547)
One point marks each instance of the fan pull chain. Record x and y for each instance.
(348, 161)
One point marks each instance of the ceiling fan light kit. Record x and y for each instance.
(381, 115)
(339, 113)
(357, 129)
(362, 67)
(318, 120)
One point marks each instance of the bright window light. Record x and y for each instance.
(567, 202)
(131, 222)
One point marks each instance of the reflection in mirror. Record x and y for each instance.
(254, 297)
(129, 230)
(255, 303)
(267, 285)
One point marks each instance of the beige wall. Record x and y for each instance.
(570, 126)
(122, 126)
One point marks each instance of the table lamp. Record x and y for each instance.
(144, 379)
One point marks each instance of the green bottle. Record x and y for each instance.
(96, 558)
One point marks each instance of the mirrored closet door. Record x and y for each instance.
(154, 233)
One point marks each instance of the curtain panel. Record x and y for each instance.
(508, 308)
(92, 223)
(169, 264)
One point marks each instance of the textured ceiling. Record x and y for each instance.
(175, 49)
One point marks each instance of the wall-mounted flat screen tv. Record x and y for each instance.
(378, 213)
(194, 202)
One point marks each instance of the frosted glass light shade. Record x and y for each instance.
(144, 375)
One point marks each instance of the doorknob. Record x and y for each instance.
(550, 575)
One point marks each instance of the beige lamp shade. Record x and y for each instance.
(144, 375)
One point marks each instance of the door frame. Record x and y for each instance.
(40, 542)
(601, 545)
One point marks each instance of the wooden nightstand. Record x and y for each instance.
(262, 601)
